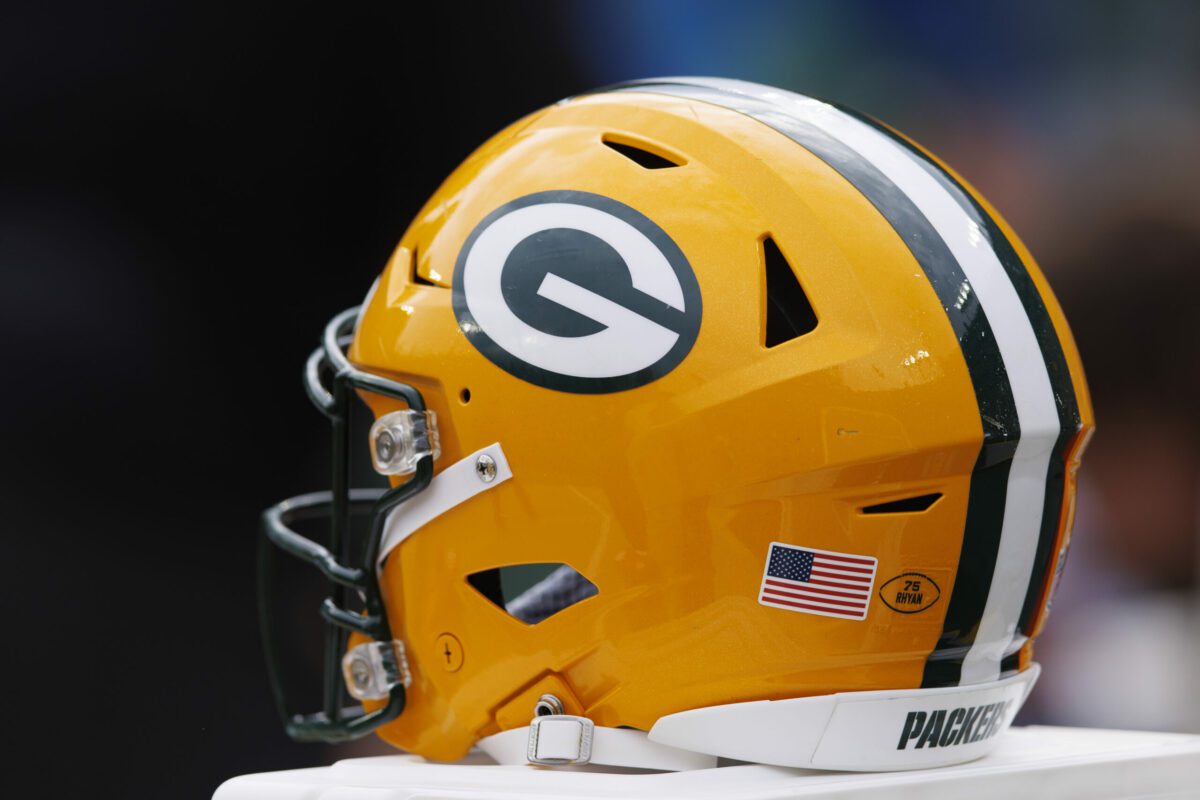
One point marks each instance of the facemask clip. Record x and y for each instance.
(372, 669)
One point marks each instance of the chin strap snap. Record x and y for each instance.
(560, 739)
(557, 740)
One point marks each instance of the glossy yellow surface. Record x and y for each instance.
(667, 496)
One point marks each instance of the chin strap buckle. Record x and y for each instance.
(556, 740)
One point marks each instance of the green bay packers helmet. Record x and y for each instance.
(719, 422)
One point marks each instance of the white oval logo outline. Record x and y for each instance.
(631, 349)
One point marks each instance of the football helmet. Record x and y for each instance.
(719, 421)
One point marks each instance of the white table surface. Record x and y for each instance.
(1030, 762)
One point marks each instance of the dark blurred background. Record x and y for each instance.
(189, 190)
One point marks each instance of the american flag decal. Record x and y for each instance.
(817, 581)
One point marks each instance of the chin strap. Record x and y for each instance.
(856, 731)
(564, 740)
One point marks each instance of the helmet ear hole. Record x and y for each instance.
(532, 593)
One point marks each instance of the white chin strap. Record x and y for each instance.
(562, 740)
(854, 731)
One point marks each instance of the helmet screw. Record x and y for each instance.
(360, 673)
(385, 447)
(485, 468)
(547, 705)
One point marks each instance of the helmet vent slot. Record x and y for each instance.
(908, 505)
(640, 154)
(415, 274)
(532, 592)
(789, 313)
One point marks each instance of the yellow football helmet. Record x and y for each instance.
(720, 421)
